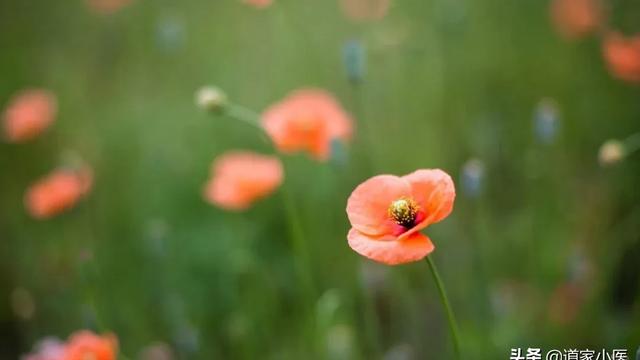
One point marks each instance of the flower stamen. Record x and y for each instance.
(404, 211)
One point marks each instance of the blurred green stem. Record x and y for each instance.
(299, 246)
(252, 118)
(247, 116)
(632, 143)
(243, 114)
(453, 327)
(372, 323)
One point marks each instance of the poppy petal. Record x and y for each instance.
(389, 250)
(241, 177)
(367, 207)
(307, 120)
(434, 191)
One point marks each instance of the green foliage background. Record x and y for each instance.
(145, 257)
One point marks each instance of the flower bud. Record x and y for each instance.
(354, 58)
(611, 152)
(170, 34)
(22, 303)
(211, 98)
(546, 121)
(399, 352)
(157, 351)
(472, 177)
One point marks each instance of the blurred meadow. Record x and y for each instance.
(541, 250)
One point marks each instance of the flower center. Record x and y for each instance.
(404, 211)
(308, 124)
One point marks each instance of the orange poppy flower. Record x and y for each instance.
(107, 7)
(57, 192)
(623, 56)
(28, 114)
(259, 3)
(87, 345)
(575, 18)
(241, 177)
(387, 213)
(308, 119)
(361, 10)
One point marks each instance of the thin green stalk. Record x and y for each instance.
(632, 143)
(453, 327)
(372, 322)
(299, 246)
(243, 114)
(248, 117)
(252, 118)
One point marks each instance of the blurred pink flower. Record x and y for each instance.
(622, 55)
(47, 349)
(260, 4)
(28, 114)
(241, 177)
(307, 119)
(107, 7)
(57, 192)
(575, 18)
(361, 10)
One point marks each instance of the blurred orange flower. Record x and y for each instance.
(623, 56)
(28, 114)
(575, 18)
(259, 3)
(307, 119)
(84, 345)
(387, 213)
(241, 177)
(360, 10)
(57, 192)
(107, 7)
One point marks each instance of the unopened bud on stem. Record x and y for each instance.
(211, 98)
(611, 152)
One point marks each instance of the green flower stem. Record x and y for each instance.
(632, 143)
(453, 327)
(372, 322)
(302, 259)
(243, 114)
(252, 118)
(247, 116)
